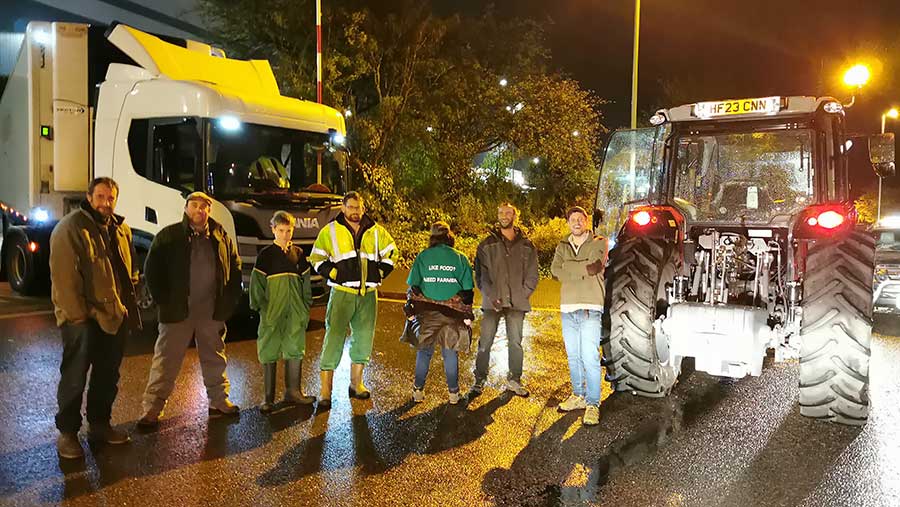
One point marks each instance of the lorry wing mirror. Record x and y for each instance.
(881, 151)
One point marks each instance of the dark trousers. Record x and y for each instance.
(87, 347)
(489, 322)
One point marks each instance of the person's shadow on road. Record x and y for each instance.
(156, 452)
(442, 428)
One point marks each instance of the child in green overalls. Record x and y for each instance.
(280, 290)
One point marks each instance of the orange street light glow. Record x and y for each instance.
(857, 76)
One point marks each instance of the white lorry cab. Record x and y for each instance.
(163, 118)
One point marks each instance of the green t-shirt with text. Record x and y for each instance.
(441, 272)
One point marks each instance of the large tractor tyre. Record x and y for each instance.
(21, 266)
(837, 329)
(635, 360)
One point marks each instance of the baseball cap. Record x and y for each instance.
(199, 196)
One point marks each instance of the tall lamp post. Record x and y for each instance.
(892, 113)
(634, 63)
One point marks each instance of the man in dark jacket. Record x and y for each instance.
(193, 272)
(506, 273)
(93, 277)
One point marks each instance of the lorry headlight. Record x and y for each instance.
(40, 215)
(230, 123)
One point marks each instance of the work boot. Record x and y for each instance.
(224, 408)
(516, 387)
(357, 389)
(478, 386)
(107, 434)
(270, 371)
(293, 373)
(149, 421)
(573, 402)
(591, 415)
(326, 377)
(68, 446)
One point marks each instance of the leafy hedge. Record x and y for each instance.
(545, 235)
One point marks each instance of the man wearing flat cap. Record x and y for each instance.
(193, 272)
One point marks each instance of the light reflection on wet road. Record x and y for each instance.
(710, 443)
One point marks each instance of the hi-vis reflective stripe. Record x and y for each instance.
(387, 261)
(343, 257)
(319, 251)
(387, 250)
(346, 285)
(372, 284)
(318, 264)
(374, 256)
(335, 251)
(368, 256)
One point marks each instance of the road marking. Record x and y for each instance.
(26, 314)
(535, 308)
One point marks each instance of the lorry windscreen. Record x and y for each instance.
(248, 160)
(743, 177)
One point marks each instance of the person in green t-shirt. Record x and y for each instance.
(439, 304)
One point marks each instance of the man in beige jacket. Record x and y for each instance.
(578, 264)
(93, 276)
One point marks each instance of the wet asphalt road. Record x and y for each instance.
(710, 443)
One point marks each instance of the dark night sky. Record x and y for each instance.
(719, 49)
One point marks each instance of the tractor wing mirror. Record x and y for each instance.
(598, 218)
(881, 154)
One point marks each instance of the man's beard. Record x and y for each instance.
(509, 225)
(355, 217)
(106, 211)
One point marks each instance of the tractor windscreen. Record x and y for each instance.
(743, 177)
(631, 173)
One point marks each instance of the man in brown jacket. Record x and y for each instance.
(93, 277)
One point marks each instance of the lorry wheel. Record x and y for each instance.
(836, 330)
(20, 266)
(639, 270)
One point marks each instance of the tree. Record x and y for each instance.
(424, 96)
(866, 208)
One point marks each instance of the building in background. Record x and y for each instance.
(177, 18)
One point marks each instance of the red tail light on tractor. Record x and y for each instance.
(825, 220)
(655, 222)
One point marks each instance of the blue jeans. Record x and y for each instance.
(581, 334)
(451, 367)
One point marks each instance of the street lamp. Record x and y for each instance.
(856, 76)
(893, 114)
(634, 63)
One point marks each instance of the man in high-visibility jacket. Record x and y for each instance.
(354, 254)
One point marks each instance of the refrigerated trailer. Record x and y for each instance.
(163, 117)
